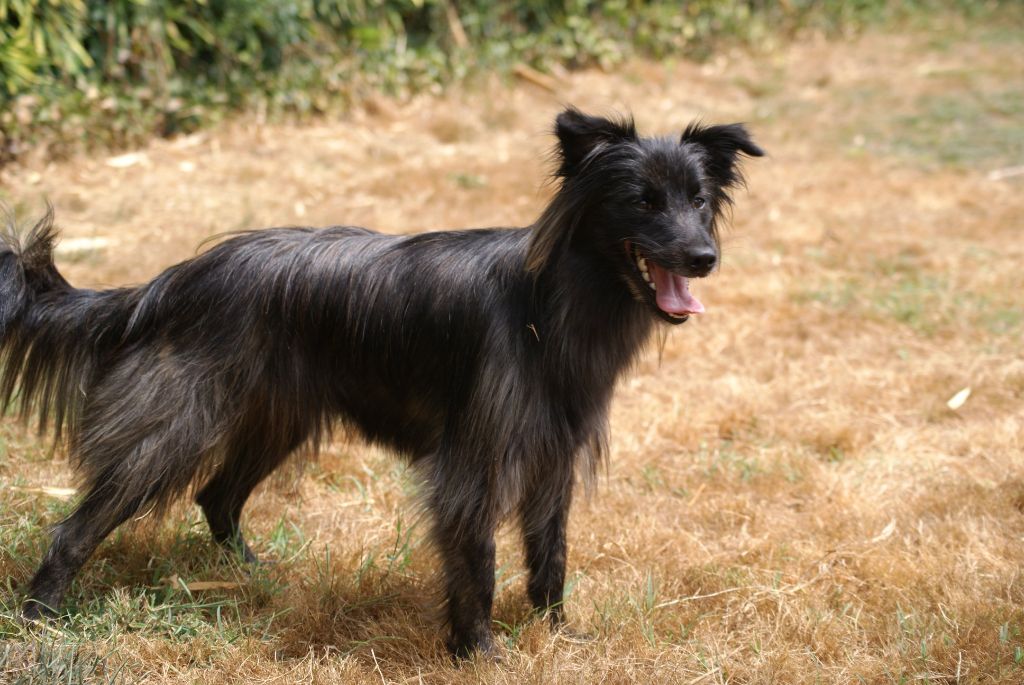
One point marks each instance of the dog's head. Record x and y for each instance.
(648, 207)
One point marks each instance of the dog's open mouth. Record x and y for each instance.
(671, 291)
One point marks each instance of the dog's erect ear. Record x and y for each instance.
(580, 135)
(723, 145)
(580, 138)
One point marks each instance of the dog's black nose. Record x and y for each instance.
(702, 261)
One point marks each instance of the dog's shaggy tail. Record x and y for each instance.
(22, 261)
(50, 332)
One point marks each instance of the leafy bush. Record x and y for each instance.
(114, 72)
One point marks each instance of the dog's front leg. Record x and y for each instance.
(544, 514)
(466, 543)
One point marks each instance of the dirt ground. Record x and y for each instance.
(790, 498)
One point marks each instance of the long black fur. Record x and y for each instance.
(487, 357)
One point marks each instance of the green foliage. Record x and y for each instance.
(113, 72)
(37, 36)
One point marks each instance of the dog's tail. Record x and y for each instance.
(26, 266)
(50, 332)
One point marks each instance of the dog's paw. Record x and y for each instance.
(34, 612)
(250, 557)
(483, 650)
(491, 653)
(238, 550)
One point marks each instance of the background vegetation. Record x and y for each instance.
(90, 73)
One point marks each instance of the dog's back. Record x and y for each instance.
(295, 325)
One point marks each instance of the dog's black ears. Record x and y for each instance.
(723, 145)
(580, 135)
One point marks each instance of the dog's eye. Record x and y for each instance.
(698, 202)
(645, 203)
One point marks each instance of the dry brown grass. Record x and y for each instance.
(789, 499)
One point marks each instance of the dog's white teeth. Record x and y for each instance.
(641, 264)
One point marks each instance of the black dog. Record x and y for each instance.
(487, 357)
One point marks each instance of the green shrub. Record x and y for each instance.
(114, 72)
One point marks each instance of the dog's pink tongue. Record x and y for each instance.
(672, 292)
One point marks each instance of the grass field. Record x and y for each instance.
(790, 498)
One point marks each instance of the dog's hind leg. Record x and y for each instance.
(464, 534)
(249, 460)
(135, 457)
(544, 513)
(109, 502)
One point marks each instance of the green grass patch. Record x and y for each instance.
(965, 129)
(898, 290)
(59, 660)
(729, 459)
(138, 582)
